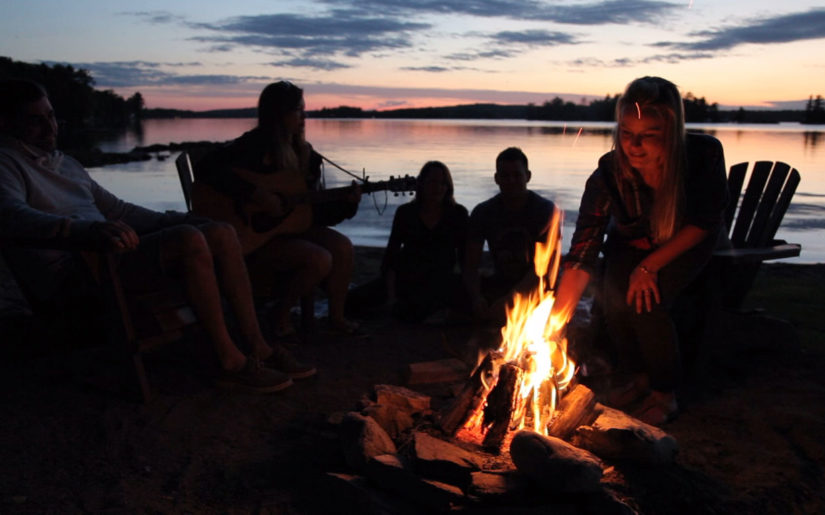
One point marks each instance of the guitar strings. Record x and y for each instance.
(379, 209)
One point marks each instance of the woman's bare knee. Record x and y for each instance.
(184, 244)
(221, 237)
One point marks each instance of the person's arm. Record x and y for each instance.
(390, 260)
(571, 286)
(471, 275)
(462, 220)
(643, 288)
(706, 196)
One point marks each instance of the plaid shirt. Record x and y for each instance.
(621, 208)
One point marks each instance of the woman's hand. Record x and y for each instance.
(642, 289)
(354, 193)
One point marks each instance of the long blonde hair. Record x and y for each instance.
(659, 96)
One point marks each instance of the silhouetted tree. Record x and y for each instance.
(135, 105)
(740, 115)
(814, 110)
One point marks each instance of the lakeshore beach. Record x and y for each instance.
(749, 435)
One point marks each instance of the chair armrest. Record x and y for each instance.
(779, 251)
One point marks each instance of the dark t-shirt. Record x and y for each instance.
(417, 251)
(511, 235)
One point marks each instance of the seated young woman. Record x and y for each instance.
(292, 262)
(419, 270)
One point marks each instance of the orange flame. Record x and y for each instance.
(529, 338)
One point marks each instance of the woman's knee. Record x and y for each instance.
(321, 261)
(185, 243)
(221, 237)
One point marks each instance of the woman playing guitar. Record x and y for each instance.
(253, 182)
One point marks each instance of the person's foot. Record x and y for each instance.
(283, 360)
(254, 378)
(343, 326)
(657, 408)
(624, 395)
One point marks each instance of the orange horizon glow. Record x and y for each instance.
(202, 101)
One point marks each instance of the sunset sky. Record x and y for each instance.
(380, 54)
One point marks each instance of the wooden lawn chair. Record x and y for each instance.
(134, 323)
(763, 205)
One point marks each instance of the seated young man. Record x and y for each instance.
(48, 202)
(510, 223)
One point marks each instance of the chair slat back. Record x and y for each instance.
(736, 178)
(767, 203)
(184, 166)
(782, 204)
(750, 202)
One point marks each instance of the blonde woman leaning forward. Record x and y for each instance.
(658, 198)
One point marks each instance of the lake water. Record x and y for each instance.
(562, 156)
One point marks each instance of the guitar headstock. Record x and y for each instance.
(394, 184)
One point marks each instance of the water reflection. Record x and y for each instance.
(561, 160)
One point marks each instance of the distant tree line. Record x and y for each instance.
(78, 105)
(604, 110)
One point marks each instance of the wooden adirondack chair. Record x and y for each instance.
(766, 199)
(132, 323)
(145, 321)
(185, 174)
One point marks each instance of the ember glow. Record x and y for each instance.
(530, 342)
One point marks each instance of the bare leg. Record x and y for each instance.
(186, 251)
(305, 263)
(337, 282)
(234, 283)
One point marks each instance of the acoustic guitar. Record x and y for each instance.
(256, 227)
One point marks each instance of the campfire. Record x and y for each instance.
(521, 420)
(519, 385)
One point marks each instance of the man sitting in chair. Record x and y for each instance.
(49, 202)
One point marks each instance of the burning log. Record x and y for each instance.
(504, 405)
(577, 408)
(471, 397)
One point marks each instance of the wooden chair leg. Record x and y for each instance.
(140, 375)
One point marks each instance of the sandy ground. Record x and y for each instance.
(750, 434)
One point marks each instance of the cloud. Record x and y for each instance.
(311, 63)
(593, 13)
(533, 38)
(120, 74)
(506, 44)
(154, 17)
(779, 29)
(340, 32)
(392, 103)
(625, 62)
(433, 69)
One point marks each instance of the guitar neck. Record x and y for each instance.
(313, 197)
